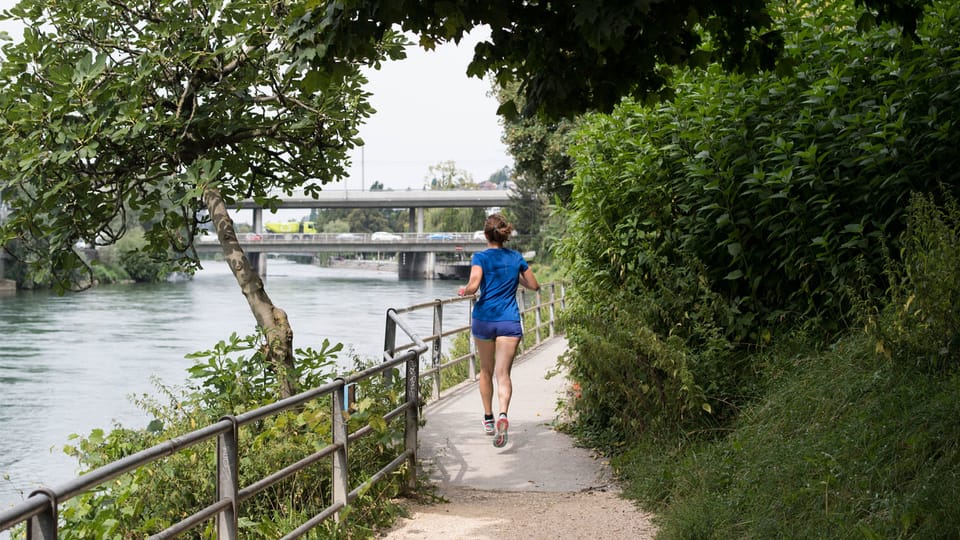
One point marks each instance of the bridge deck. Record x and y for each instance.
(333, 198)
(348, 242)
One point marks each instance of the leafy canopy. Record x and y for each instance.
(113, 109)
(569, 57)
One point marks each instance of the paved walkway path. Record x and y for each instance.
(540, 485)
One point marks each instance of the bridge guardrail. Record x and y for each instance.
(40, 509)
(348, 238)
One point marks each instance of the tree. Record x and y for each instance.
(446, 175)
(164, 109)
(367, 220)
(542, 168)
(501, 177)
(454, 219)
(569, 57)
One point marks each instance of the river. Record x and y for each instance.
(69, 363)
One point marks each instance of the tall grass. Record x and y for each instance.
(860, 439)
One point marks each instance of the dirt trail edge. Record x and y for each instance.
(539, 486)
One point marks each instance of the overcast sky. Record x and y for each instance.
(428, 112)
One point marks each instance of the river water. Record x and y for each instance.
(69, 363)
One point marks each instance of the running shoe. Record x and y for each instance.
(488, 426)
(500, 437)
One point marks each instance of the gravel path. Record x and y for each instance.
(539, 486)
(480, 515)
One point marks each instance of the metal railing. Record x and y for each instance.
(538, 315)
(40, 510)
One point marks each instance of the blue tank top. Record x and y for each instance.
(498, 288)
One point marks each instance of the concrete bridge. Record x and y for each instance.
(417, 257)
(416, 251)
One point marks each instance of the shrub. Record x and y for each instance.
(920, 327)
(746, 206)
(138, 264)
(844, 445)
(229, 378)
(633, 376)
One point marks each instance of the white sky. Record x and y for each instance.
(428, 112)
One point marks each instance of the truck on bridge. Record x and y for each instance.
(291, 227)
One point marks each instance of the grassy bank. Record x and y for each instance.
(843, 444)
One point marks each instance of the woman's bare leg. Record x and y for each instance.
(506, 348)
(486, 351)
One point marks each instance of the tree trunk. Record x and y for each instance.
(269, 317)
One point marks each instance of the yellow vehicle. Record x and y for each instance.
(290, 227)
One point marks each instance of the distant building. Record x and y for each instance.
(486, 184)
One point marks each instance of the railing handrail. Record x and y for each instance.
(40, 508)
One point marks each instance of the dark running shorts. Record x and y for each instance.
(490, 330)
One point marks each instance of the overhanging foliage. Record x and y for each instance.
(569, 57)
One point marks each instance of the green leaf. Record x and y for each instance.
(508, 110)
(736, 274)
(314, 81)
(155, 426)
(96, 436)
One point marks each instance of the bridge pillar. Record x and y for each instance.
(416, 265)
(258, 220)
(416, 220)
(258, 260)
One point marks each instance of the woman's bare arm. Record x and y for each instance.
(528, 280)
(473, 284)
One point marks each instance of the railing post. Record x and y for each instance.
(536, 314)
(412, 418)
(522, 302)
(389, 345)
(472, 362)
(228, 481)
(437, 356)
(341, 486)
(552, 311)
(44, 526)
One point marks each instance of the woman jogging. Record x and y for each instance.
(496, 272)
